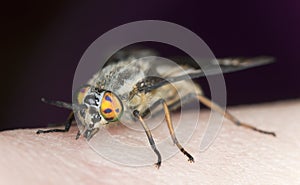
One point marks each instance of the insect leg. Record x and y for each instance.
(148, 110)
(68, 124)
(172, 132)
(229, 116)
(150, 138)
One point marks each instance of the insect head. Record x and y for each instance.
(96, 107)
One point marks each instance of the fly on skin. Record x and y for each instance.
(131, 84)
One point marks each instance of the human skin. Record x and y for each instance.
(237, 156)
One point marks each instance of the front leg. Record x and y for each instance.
(150, 138)
(68, 124)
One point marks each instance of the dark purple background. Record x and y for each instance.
(41, 44)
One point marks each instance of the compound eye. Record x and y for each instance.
(111, 107)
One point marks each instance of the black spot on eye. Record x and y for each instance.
(108, 98)
(106, 111)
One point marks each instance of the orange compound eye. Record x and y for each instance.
(111, 107)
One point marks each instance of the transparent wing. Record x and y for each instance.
(228, 65)
(225, 65)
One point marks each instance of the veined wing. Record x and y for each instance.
(217, 66)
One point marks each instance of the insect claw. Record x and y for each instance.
(265, 132)
(78, 135)
(270, 133)
(273, 134)
(39, 132)
(157, 165)
(191, 160)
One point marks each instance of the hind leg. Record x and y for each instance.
(229, 116)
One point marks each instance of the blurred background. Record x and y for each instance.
(43, 41)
